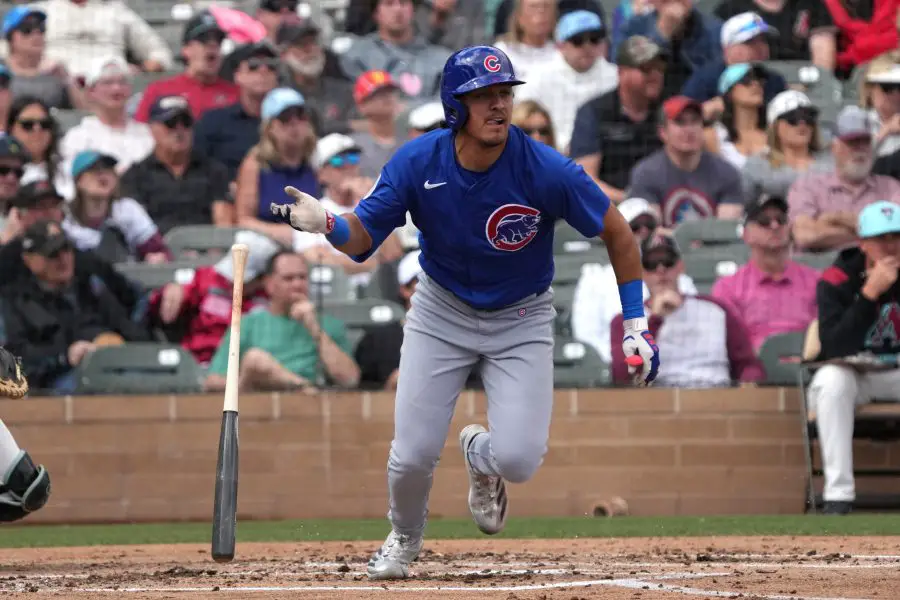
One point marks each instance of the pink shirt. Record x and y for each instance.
(767, 305)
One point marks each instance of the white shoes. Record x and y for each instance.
(391, 561)
(487, 495)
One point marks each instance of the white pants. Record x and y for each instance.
(834, 394)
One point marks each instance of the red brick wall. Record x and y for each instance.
(666, 452)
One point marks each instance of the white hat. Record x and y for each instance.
(409, 268)
(107, 66)
(743, 28)
(330, 146)
(426, 116)
(633, 208)
(784, 103)
(262, 249)
(883, 69)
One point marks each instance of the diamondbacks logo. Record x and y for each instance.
(888, 212)
(512, 226)
(492, 63)
(886, 330)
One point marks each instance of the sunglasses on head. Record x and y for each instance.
(291, 114)
(32, 124)
(798, 116)
(29, 27)
(187, 121)
(6, 170)
(643, 224)
(652, 264)
(541, 131)
(767, 220)
(349, 158)
(586, 38)
(255, 64)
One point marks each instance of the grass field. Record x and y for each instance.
(538, 528)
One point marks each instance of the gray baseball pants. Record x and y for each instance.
(443, 339)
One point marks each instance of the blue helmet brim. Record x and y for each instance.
(486, 81)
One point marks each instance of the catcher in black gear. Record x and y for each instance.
(24, 487)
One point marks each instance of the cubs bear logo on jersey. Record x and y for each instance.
(512, 226)
(492, 63)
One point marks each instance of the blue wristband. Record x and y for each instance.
(340, 232)
(632, 296)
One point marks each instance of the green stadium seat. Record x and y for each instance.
(364, 314)
(68, 119)
(563, 298)
(567, 239)
(155, 276)
(200, 239)
(817, 260)
(568, 266)
(140, 368)
(708, 232)
(577, 365)
(780, 355)
(329, 283)
(705, 265)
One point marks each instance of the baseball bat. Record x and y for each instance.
(225, 505)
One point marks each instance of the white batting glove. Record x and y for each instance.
(641, 351)
(305, 214)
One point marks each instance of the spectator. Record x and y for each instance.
(376, 96)
(682, 180)
(176, 184)
(109, 130)
(115, 227)
(33, 202)
(411, 61)
(593, 308)
(793, 148)
(504, 18)
(881, 97)
(281, 158)
(80, 32)
(200, 82)
(201, 310)
(24, 29)
(577, 73)
(858, 302)
(5, 94)
(378, 352)
(283, 345)
(274, 14)
(31, 122)
(315, 72)
(452, 23)
(708, 345)
(807, 32)
(691, 38)
(624, 11)
(425, 118)
(54, 316)
(529, 41)
(227, 134)
(618, 129)
(742, 130)
(825, 206)
(770, 279)
(744, 40)
(865, 30)
(533, 119)
(13, 158)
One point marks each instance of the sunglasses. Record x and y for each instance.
(750, 78)
(64, 248)
(350, 158)
(798, 116)
(28, 28)
(32, 124)
(585, 38)
(254, 64)
(643, 224)
(654, 264)
(766, 220)
(541, 131)
(291, 114)
(18, 171)
(185, 121)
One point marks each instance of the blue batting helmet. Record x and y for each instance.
(468, 70)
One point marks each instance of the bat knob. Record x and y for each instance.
(634, 361)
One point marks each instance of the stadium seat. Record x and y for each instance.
(577, 365)
(780, 355)
(817, 260)
(200, 239)
(705, 265)
(140, 368)
(361, 315)
(708, 232)
(568, 266)
(567, 239)
(328, 283)
(822, 87)
(68, 118)
(155, 276)
(563, 298)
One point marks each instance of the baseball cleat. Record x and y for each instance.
(487, 495)
(391, 561)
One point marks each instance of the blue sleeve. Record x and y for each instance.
(574, 197)
(383, 209)
(698, 88)
(585, 140)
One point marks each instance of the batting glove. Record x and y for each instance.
(641, 352)
(305, 214)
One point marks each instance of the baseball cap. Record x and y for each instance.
(32, 193)
(200, 24)
(576, 23)
(853, 123)
(879, 218)
(785, 102)
(370, 82)
(289, 33)
(109, 66)
(166, 107)
(660, 242)
(332, 145)
(757, 205)
(45, 237)
(883, 69)
(279, 100)
(734, 73)
(409, 268)
(426, 116)
(632, 208)
(88, 159)
(10, 147)
(743, 28)
(248, 51)
(674, 106)
(637, 51)
(17, 14)
(262, 249)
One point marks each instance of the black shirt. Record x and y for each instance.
(795, 23)
(226, 135)
(378, 354)
(888, 165)
(172, 201)
(602, 127)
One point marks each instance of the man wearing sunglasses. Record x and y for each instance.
(713, 346)
(578, 73)
(275, 14)
(13, 158)
(772, 294)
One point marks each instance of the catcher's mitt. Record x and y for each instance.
(13, 383)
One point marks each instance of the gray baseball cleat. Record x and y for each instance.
(391, 561)
(487, 495)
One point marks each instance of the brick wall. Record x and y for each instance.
(667, 452)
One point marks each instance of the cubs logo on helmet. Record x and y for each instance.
(512, 227)
(492, 63)
(471, 69)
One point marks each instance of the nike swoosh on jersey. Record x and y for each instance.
(431, 186)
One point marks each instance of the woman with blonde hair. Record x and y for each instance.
(532, 118)
(529, 40)
(281, 158)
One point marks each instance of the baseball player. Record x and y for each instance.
(24, 487)
(484, 197)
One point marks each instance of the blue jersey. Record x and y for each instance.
(486, 237)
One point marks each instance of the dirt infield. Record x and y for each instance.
(770, 568)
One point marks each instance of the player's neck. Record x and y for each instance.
(474, 156)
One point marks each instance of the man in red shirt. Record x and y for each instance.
(200, 83)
